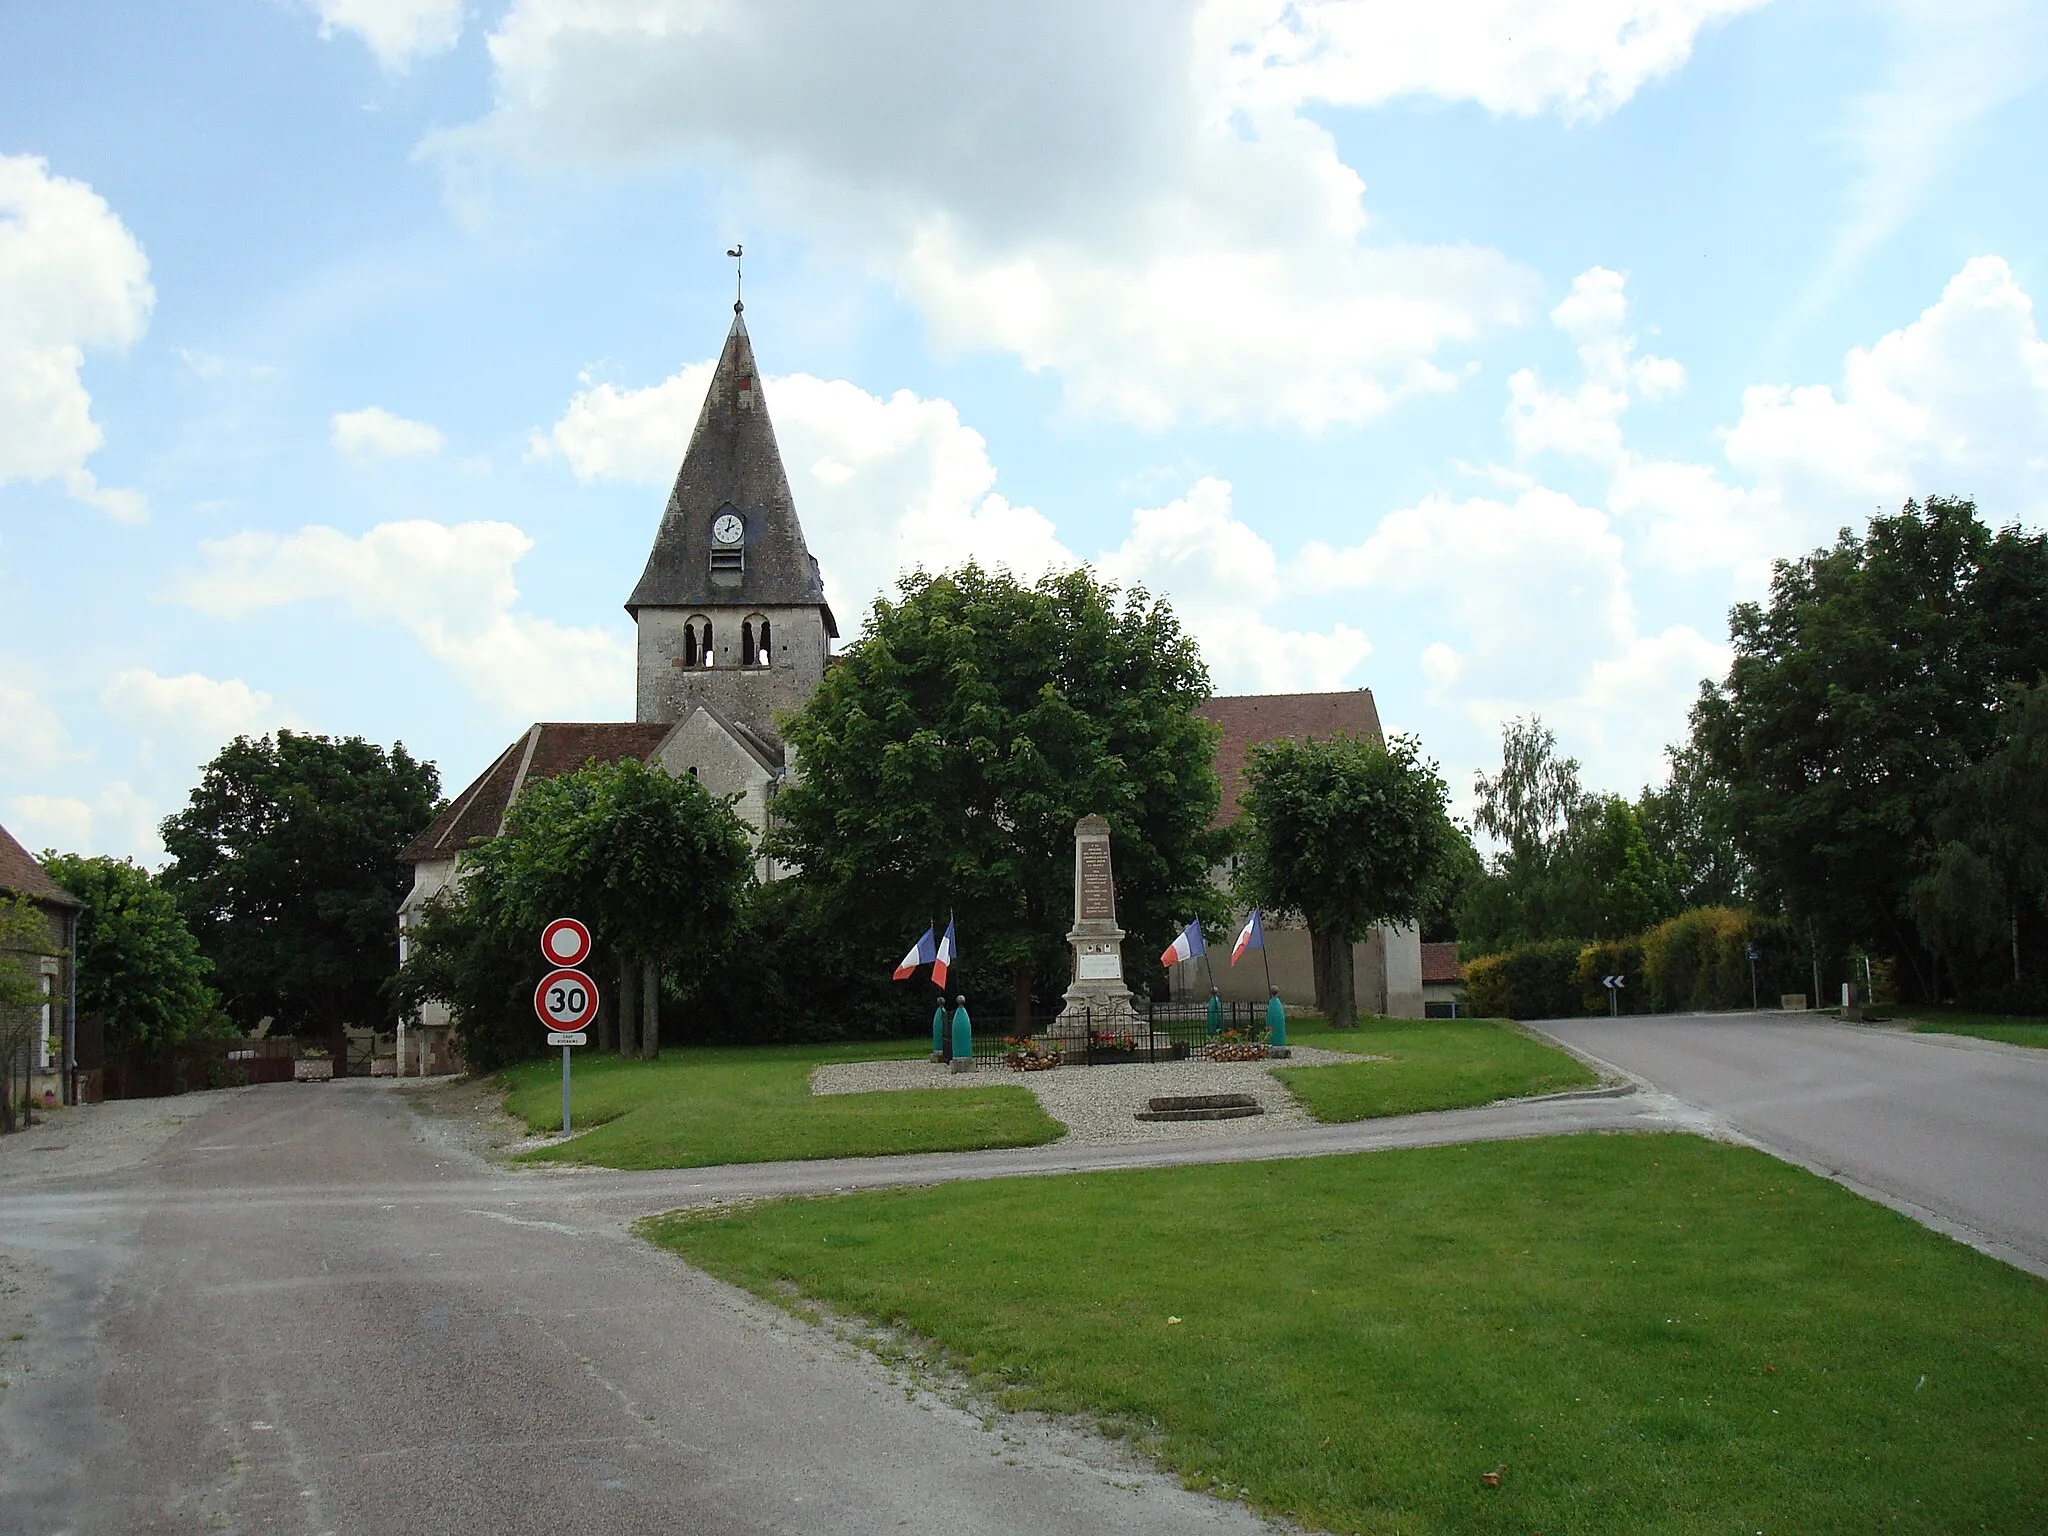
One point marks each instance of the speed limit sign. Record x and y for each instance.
(565, 1000)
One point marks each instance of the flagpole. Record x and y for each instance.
(1268, 964)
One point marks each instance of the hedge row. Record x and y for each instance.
(1697, 961)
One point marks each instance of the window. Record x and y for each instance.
(754, 641)
(697, 645)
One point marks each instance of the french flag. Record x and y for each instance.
(943, 960)
(1253, 937)
(923, 952)
(1186, 947)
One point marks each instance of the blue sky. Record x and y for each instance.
(1480, 353)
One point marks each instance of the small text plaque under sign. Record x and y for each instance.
(568, 1037)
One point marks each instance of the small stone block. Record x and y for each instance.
(962, 1064)
(1281, 1051)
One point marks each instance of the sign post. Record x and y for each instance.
(1613, 984)
(566, 999)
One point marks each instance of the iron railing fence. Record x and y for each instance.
(1150, 1032)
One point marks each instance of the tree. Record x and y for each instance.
(24, 940)
(1686, 824)
(656, 866)
(1603, 880)
(949, 752)
(1869, 678)
(140, 971)
(1529, 801)
(1349, 833)
(1985, 880)
(285, 864)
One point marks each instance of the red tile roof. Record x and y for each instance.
(547, 749)
(1248, 719)
(21, 875)
(1440, 965)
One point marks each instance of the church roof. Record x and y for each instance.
(548, 748)
(1440, 965)
(1250, 718)
(732, 461)
(21, 875)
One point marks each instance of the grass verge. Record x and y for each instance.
(1436, 1064)
(1637, 1334)
(2013, 1029)
(708, 1105)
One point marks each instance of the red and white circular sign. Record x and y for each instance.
(565, 1000)
(565, 942)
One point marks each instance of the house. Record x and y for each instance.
(46, 1060)
(1443, 981)
(1387, 965)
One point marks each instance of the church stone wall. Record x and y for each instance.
(702, 749)
(755, 696)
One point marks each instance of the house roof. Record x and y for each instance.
(548, 748)
(21, 875)
(1440, 965)
(732, 463)
(1250, 718)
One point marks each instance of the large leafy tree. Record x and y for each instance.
(285, 864)
(656, 866)
(140, 971)
(1871, 676)
(1349, 833)
(949, 752)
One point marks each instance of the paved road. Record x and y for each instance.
(1951, 1130)
(311, 1312)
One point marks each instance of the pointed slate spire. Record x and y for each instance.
(732, 465)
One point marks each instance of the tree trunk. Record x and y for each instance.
(1020, 1001)
(607, 1022)
(629, 1008)
(650, 1012)
(1336, 977)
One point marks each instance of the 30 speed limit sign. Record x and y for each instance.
(565, 1000)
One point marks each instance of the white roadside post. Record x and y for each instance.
(566, 999)
(1613, 984)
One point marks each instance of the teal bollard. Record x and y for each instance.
(1215, 1014)
(1276, 1020)
(963, 1033)
(939, 1031)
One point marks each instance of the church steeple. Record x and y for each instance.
(731, 607)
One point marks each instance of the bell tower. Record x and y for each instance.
(731, 608)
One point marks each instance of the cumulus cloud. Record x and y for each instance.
(71, 277)
(32, 738)
(1223, 577)
(450, 587)
(182, 721)
(1108, 193)
(1527, 605)
(375, 433)
(119, 820)
(1956, 402)
(396, 31)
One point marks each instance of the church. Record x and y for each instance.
(734, 633)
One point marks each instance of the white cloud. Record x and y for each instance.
(1222, 576)
(71, 277)
(375, 433)
(1516, 57)
(1527, 605)
(180, 722)
(32, 738)
(1954, 403)
(118, 820)
(396, 31)
(450, 587)
(1131, 218)
(63, 822)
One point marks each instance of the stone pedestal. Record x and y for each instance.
(1097, 999)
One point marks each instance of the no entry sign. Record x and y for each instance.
(565, 1000)
(565, 942)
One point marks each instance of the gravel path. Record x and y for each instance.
(92, 1139)
(1099, 1105)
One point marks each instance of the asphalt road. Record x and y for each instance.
(1951, 1130)
(311, 1311)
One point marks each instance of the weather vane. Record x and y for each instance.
(738, 271)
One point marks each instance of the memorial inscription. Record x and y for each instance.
(1098, 892)
(1096, 1001)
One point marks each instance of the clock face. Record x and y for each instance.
(728, 528)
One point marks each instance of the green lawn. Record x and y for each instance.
(1436, 1064)
(2013, 1029)
(753, 1105)
(1641, 1334)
